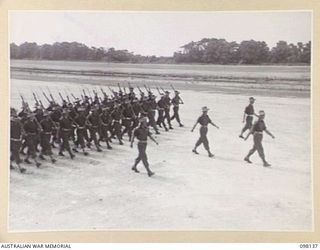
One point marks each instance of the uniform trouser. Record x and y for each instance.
(203, 138)
(248, 124)
(135, 123)
(93, 135)
(152, 121)
(15, 149)
(80, 136)
(45, 143)
(65, 145)
(176, 114)
(104, 133)
(142, 156)
(167, 116)
(117, 130)
(31, 142)
(126, 123)
(257, 146)
(160, 120)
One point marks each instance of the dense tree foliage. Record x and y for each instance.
(207, 50)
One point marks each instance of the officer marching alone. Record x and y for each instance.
(203, 120)
(142, 133)
(248, 116)
(257, 131)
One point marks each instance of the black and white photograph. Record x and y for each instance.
(160, 120)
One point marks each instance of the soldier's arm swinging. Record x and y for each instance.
(194, 126)
(151, 137)
(244, 117)
(269, 133)
(214, 124)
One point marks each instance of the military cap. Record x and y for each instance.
(205, 108)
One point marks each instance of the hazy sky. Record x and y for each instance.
(157, 33)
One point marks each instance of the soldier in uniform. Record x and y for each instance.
(81, 122)
(257, 131)
(65, 132)
(127, 119)
(167, 103)
(32, 128)
(16, 131)
(116, 116)
(105, 119)
(94, 121)
(142, 133)
(176, 101)
(136, 110)
(248, 116)
(45, 136)
(161, 106)
(203, 120)
(152, 112)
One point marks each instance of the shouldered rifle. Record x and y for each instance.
(148, 90)
(73, 96)
(50, 94)
(35, 99)
(159, 91)
(141, 92)
(163, 90)
(62, 99)
(48, 100)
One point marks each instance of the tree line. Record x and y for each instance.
(207, 50)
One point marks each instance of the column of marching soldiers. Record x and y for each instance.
(88, 122)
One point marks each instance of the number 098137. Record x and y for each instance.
(308, 245)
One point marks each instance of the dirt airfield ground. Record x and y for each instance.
(188, 192)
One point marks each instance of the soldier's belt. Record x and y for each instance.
(81, 127)
(116, 121)
(13, 139)
(249, 115)
(204, 126)
(94, 126)
(31, 133)
(128, 118)
(161, 109)
(142, 141)
(65, 129)
(48, 133)
(258, 132)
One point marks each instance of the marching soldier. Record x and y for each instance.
(167, 103)
(32, 128)
(176, 101)
(142, 133)
(16, 130)
(94, 121)
(248, 116)
(45, 136)
(116, 116)
(203, 120)
(257, 131)
(105, 119)
(81, 121)
(127, 119)
(152, 112)
(161, 106)
(65, 130)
